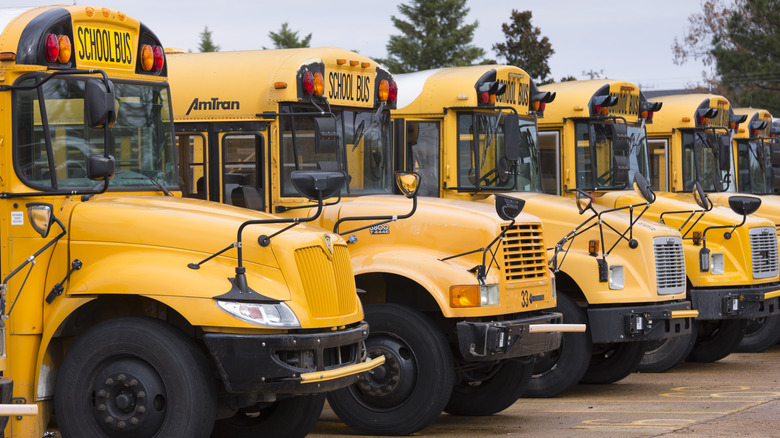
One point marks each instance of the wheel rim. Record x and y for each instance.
(654, 346)
(128, 398)
(546, 362)
(389, 385)
(755, 325)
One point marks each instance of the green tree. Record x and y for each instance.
(287, 39)
(206, 45)
(525, 47)
(741, 40)
(746, 58)
(434, 36)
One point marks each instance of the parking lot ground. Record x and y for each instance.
(736, 396)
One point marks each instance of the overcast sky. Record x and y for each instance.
(625, 39)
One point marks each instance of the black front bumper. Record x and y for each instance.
(735, 302)
(274, 363)
(496, 340)
(643, 322)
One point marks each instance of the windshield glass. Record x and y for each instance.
(141, 141)
(597, 157)
(482, 163)
(701, 160)
(363, 150)
(753, 165)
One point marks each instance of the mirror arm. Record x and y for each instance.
(29, 260)
(714, 227)
(482, 270)
(385, 219)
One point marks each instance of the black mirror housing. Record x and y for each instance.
(100, 167)
(317, 184)
(326, 137)
(701, 198)
(642, 187)
(512, 137)
(744, 205)
(99, 103)
(584, 201)
(41, 217)
(508, 207)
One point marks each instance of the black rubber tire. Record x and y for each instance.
(292, 417)
(612, 362)
(717, 339)
(761, 333)
(140, 368)
(417, 353)
(665, 354)
(494, 394)
(555, 372)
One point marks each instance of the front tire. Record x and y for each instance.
(717, 339)
(501, 387)
(409, 391)
(557, 371)
(288, 418)
(612, 362)
(761, 334)
(663, 355)
(134, 377)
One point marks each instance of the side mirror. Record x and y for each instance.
(408, 183)
(41, 217)
(508, 207)
(326, 137)
(100, 167)
(620, 139)
(584, 201)
(701, 197)
(642, 187)
(512, 137)
(620, 168)
(724, 152)
(317, 185)
(99, 103)
(744, 205)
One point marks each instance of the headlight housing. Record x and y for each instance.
(616, 277)
(717, 263)
(475, 295)
(274, 315)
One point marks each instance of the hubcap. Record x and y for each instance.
(393, 382)
(128, 398)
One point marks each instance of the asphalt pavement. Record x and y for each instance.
(736, 396)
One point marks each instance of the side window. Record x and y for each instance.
(689, 160)
(192, 165)
(550, 157)
(422, 152)
(242, 170)
(659, 166)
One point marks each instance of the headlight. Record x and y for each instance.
(267, 315)
(474, 295)
(717, 263)
(616, 278)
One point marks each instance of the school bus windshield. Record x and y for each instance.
(754, 166)
(140, 140)
(482, 162)
(701, 161)
(363, 151)
(597, 156)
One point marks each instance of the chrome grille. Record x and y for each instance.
(763, 249)
(525, 257)
(669, 265)
(329, 284)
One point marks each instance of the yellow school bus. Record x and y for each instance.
(755, 172)
(128, 310)
(472, 134)
(456, 294)
(602, 130)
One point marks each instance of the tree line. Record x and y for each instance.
(739, 38)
